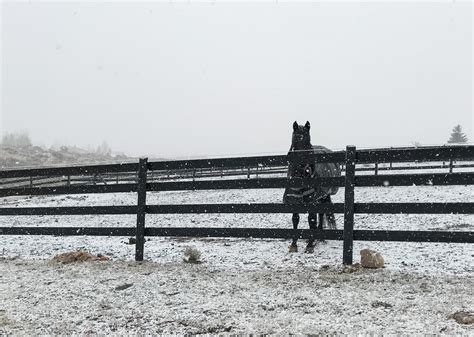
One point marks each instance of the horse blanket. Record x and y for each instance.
(298, 195)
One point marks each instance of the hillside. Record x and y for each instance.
(35, 156)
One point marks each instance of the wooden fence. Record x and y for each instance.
(349, 181)
(205, 173)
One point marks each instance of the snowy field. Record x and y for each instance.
(242, 285)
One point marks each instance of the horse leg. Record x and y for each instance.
(312, 220)
(330, 216)
(294, 247)
(331, 220)
(321, 217)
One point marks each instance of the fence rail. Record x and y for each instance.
(360, 181)
(350, 181)
(196, 174)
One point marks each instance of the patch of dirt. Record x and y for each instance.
(79, 256)
(463, 317)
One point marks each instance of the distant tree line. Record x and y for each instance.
(104, 149)
(17, 139)
(22, 140)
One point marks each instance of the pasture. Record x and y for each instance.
(243, 285)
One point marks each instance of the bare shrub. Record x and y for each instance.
(192, 255)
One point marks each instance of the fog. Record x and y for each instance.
(205, 79)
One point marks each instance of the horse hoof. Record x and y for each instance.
(292, 248)
(309, 249)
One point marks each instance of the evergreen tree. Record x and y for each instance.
(457, 136)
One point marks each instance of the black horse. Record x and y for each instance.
(301, 141)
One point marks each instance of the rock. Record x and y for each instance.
(371, 259)
(463, 317)
(78, 256)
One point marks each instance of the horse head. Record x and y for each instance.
(301, 140)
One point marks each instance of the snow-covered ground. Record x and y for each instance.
(40, 297)
(243, 285)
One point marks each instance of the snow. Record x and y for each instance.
(243, 285)
(184, 298)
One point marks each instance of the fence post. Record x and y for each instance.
(141, 209)
(349, 205)
(451, 166)
(68, 180)
(376, 168)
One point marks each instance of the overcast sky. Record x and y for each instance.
(197, 79)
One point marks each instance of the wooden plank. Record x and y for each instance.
(440, 153)
(69, 231)
(264, 233)
(79, 210)
(69, 170)
(414, 236)
(244, 184)
(277, 233)
(415, 179)
(70, 189)
(260, 161)
(359, 208)
(243, 208)
(415, 208)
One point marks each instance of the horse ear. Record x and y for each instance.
(295, 126)
(307, 125)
